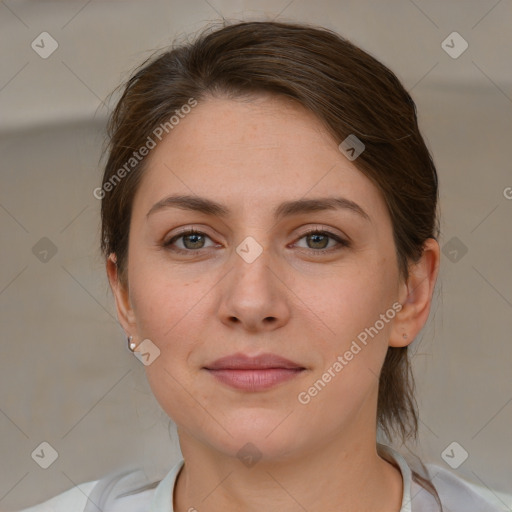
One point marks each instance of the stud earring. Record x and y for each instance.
(131, 344)
(404, 335)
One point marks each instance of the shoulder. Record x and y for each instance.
(72, 500)
(122, 490)
(457, 494)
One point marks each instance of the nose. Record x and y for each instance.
(254, 296)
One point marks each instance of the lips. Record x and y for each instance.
(253, 374)
(265, 361)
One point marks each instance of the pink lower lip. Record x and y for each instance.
(255, 380)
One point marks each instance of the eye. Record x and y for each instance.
(318, 241)
(192, 241)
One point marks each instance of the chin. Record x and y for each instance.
(269, 435)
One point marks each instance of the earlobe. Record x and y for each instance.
(124, 309)
(416, 296)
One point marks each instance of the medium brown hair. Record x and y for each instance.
(347, 89)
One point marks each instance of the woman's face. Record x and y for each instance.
(252, 282)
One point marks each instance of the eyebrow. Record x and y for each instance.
(286, 209)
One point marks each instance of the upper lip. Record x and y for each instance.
(240, 361)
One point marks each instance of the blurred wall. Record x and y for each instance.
(66, 376)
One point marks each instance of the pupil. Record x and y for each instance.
(194, 242)
(315, 238)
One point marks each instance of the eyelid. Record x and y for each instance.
(324, 229)
(341, 240)
(189, 230)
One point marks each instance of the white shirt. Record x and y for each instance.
(115, 492)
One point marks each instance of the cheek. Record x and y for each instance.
(169, 311)
(351, 299)
(353, 355)
(159, 298)
(152, 307)
(165, 314)
(357, 309)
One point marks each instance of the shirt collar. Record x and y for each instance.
(391, 455)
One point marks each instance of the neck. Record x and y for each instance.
(334, 475)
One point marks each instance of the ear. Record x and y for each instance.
(125, 313)
(415, 296)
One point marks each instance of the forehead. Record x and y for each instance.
(253, 153)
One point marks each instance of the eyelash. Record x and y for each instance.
(342, 243)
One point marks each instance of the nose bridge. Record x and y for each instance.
(253, 295)
(252, 263)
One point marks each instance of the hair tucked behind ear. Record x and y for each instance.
(348, 90)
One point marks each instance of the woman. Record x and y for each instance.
(270, 233)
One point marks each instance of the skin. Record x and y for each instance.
(251, 155)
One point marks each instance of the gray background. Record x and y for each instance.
(66, 376)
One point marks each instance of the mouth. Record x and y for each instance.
(255, 380)
(258, 373)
